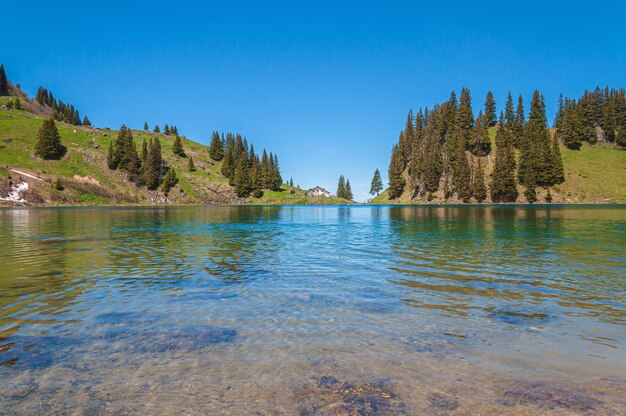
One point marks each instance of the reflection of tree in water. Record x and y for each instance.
(457, 259)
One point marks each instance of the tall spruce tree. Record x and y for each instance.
(177, 147)
(241, 180)
(396, 174)
(111, 157)
(479, 189)
(145, 126)
(348, 190)
(216, 149)
(341, 187)
(86, 121)
(153, 166)
(490, 110)
(190, 164)
(4, 82)
(156, 129)
(169, 181)
(48, 144)
(377, 183)
(503, 187)
(462, 180)
(480, 144)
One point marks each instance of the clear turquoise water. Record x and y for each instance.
(313, 310)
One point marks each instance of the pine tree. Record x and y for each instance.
(144, 152)
(157, 129)
(520, 123)
(111, 159)
(396, 178)
(86, 121)
(216, 149)
(166, 129)
(145, 126)
(464, 119)
(276, 179)
(341, 187)
(571, 127)
(558, 173)
(377, 183)
(462, 176)
(348, 191)
(169, 181)
(177, 147)
(4, 82)
(480, 144)
(153, 166)
(479, 190)
(503, 187)
(48, 144)
(530, 186)
(190, 165)
(291, 182)
(228, 164)
(242, 179)
(490, 110)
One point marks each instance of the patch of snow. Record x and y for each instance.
(14, 195)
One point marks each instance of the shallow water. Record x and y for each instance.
(313, 310)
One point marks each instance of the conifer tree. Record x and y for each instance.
(166, 129)
(490, 110)
(86, 121)
(228, 164)
(145, 126)
(4, 82)
(144, 152)
(177, 147)
(48, 144)
(291, 182)
(520, 123)
(341, 187)
(558, 173)
(571, 127)
(348, 191)
(157, 129)
(396, 174)
(111, 159)
(190, 165)
(462, 176)
(275, 178)
(216, 149)
(479, 190)
(480, 144)
(241, 180)
(153, 166)
(377, 183)
(464, 119)
(503, 187)
(530, 186)
(169, 181)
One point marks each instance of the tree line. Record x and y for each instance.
(248, 173)
(598, 114)
(60, 111)
(444, 148)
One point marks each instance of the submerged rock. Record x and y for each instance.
(521, 318)
(548, 397)
(328, 396)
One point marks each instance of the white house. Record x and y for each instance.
(318, 191)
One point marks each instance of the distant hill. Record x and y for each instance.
(82, 177)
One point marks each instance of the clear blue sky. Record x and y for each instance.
(324, 84)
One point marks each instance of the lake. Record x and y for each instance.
(310, 310)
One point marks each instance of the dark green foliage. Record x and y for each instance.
(462, 179)
(4, 82)
(111, 159)
(479, 189)
(480, 144)
(169, 181)
(396, 174)
(166, 129)
(341, 187)
(557, 171)
(144, 152)
(377, 183)
(125, 155)
(291, 182)
(348, 194)
(490, 110)
(530, 185)
(60, 111)
(571, 130)
(58, 185)
(48, 144)
(241, 181)
(519, 124)
(228, 165)
(86, 121)
(153, 166)
(503, 187)
(156, 129)
(190, 164)
(177, 147)
(216, 149)
(275, 179)
(145, 126)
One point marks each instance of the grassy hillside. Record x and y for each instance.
(88, 181)
(593, 174)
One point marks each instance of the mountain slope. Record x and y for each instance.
(86, 179)
(594, 174)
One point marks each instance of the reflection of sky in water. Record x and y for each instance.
(277, 295)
